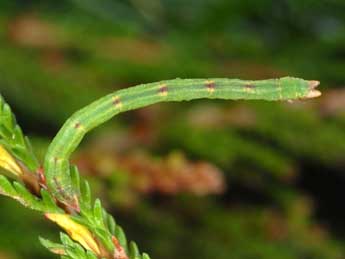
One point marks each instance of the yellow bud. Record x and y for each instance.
(8, 162)
(76, 231)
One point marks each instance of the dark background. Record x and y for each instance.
(206, 179)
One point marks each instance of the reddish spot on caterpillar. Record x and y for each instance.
(117, 102)
(79, 126)
(163, 90)
(249, 86)
(211, 87)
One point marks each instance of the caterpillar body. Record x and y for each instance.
(56, 164)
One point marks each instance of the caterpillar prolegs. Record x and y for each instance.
(56, 165)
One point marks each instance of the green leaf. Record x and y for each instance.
(90, 255)
(105, 238)
(4, 132)
(121, 236)
(111, 224)
(133, 251)
(98, 213)
(74, 250)
(49, 203)
(26, 198)
(19, 192)
(12, 137)
(85, 194)
(18, 135)
(66, 240)
(55, 248)
(6, 187)
(75, 178)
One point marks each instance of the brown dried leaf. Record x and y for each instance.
(170, 175)
(142, 51)
(332, 102)
(30, 31)
(5, 255)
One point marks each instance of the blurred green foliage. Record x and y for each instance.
(56, 57)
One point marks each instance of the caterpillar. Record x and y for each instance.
(56, 164)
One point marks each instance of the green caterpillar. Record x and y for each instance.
(57, 167)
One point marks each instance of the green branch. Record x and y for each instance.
(63, 197)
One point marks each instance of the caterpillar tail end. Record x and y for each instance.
(70, 204)
(313, 93)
